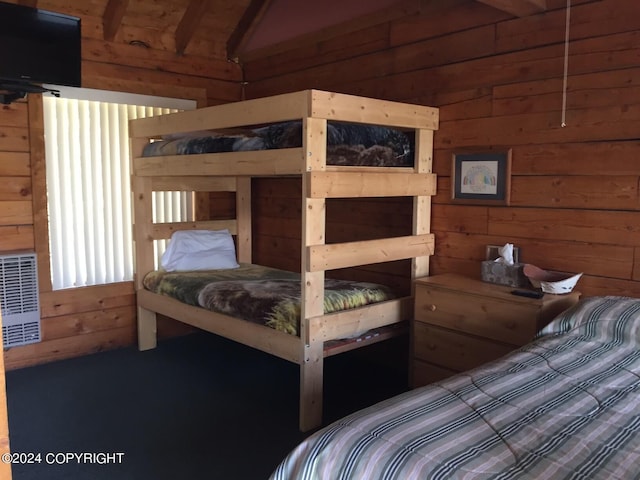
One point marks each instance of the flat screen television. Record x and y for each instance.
(38, 46)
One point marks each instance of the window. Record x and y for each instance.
(88, 184)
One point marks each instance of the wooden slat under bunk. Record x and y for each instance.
(320, 334)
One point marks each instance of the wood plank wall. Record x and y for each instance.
(497, 80)
(85, 320)
(277, 227)
(575, 204)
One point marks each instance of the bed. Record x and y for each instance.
(564, 406)
(327, 168)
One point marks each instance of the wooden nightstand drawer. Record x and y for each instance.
(454, 350)
(488, 317)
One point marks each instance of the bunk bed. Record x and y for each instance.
(313, 113)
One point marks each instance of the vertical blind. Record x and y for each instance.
(89, 194)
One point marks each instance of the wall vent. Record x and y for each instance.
(19, 299)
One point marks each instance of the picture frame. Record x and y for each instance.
(482, 178)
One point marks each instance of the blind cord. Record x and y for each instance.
(566, 66)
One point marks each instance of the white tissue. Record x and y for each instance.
(506, 254)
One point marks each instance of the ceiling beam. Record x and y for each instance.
(247, 24)
(112, 18)
(189, 22)
(518, 8)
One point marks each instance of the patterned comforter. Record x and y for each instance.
(565, 406)
(347, 144)
(259, 294)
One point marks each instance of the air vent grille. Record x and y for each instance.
(19, 299)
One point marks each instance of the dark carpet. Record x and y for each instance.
(196, 407)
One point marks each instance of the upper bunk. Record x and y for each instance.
(316, 112)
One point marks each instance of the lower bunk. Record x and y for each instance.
(260, 307)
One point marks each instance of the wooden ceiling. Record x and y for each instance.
(223, 28)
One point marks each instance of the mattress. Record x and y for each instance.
(347, 144)
(260, 294)
(566, 406)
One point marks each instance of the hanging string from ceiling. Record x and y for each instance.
(563, 122)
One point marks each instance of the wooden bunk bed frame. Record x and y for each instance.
(233, 172)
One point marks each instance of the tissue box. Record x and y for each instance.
(503, 274)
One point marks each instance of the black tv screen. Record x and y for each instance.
(37, 46)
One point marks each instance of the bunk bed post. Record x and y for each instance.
(422, 204)
(243, 218)
(423, 163)
(144, 261)
(312, 283)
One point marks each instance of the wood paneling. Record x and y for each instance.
(400, 9)
(88, 322)
(112, 17)
(14, 139)
(16, 237)
(464, 45)
(277, 205)
(568, 159)
(155, 23)
(518, 8)
(15, 189)
(86, 299)
(189, 22)
(14, 114)
(16, 212)
(97, 50)
(603, 260)
(584, 191)
(574, 199)
(360, 42)
(69, 347)
(550, 28)
(460, 218)
(81, 321)
(14, 164)
(496, 78)
(78, 322)
(597, 226)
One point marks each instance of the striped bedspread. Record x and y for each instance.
(566, 406)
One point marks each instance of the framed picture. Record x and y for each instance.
(481, 178)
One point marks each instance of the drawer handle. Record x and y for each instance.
(432, 307)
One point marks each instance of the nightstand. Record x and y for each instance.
(460, 323)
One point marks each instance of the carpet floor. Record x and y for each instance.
(196, 407)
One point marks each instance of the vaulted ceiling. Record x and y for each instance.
(238, 28)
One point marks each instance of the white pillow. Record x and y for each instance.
(199, 250)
